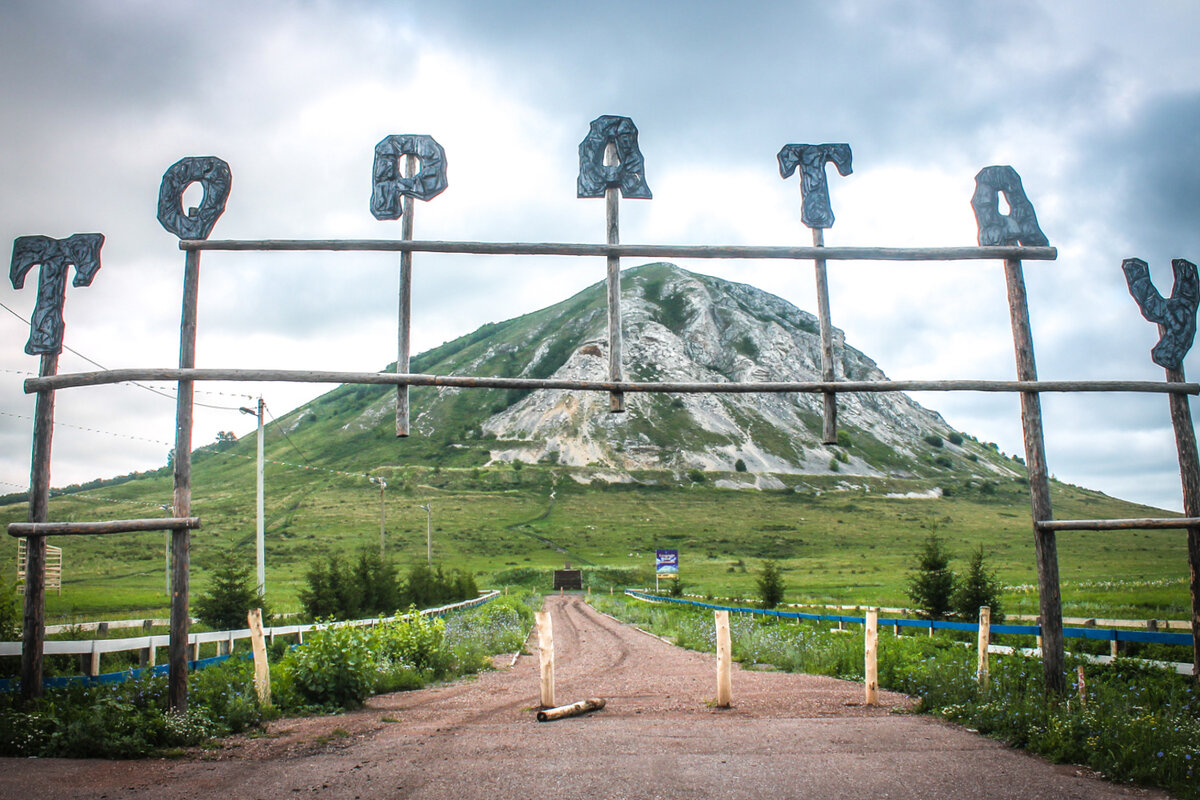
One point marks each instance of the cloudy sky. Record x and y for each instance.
(1096, 104)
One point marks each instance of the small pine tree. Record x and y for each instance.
(770, 585)
(229, 598)
(931, 583)
(978, 587)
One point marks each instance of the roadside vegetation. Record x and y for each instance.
(338, 667)
(1133, 723)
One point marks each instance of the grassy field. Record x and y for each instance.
(838, 539)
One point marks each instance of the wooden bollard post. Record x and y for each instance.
(546, 657)
(871, 660)
(985, 636)
(1081, 686)
(262, 672)
(724, 659)
(146, 655)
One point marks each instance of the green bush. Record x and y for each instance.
(335, 667)
(11, 612)
(739, 466)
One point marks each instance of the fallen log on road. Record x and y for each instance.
(573, 710)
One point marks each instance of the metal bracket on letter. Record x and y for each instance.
(1176, 317)
(814, 187)
(56, 257)
(388, 184)
(1020, 226)
(628, 174)
(210, 172)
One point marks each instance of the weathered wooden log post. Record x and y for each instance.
(817, 214)
(214, 175)
(1176, 319)
(546, 657)
(1020, 227)
(985, 638)
(395, 181)
(724, 660)
(611, 162)
(56, 257)
(871, 658)
(262, 671)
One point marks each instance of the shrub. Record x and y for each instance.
(334, 668)
(933, 440)
(739, 466)
(230, 597)
(955, 438)
(931, 583)
(696, 475)
(770, 585)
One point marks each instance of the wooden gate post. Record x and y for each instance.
(181, 539)
(1189, 473)
(724, 660)
(34, 631)
(1045, 543)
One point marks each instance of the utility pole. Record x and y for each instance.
(259, 538)
(428, 534)
(382, 516)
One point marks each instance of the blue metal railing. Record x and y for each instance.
(1107, 634)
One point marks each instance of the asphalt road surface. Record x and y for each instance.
(786, 736)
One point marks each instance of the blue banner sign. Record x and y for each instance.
(666, 563)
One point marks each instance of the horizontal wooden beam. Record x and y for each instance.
(25, 529)
(1145, 524)
(630, 250)
(76, 379)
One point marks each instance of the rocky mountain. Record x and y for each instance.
(678, 326)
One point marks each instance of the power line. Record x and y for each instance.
(279, 428)
(161, 393)
(58, 423)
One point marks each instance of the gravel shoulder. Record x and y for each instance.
(786, 736)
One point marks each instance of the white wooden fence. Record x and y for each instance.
(224, 640)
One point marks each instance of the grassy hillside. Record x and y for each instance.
(838, 540)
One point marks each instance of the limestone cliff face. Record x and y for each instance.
(681, 326)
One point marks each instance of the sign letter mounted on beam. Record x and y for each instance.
(389, 184)
(197, 223)
(56, 256)
(1020, 226)
(814, 186)
(628, 174)
(1175, 317)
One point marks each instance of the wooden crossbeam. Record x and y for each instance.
(628, 250)
(22, 529)
(78, 379)
(1143, 524)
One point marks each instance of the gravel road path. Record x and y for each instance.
(787, 736)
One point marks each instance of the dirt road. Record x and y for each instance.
(787, 736)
